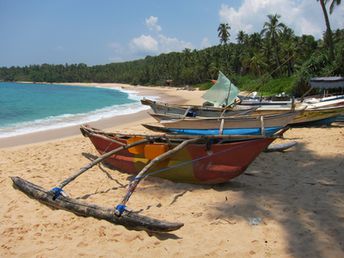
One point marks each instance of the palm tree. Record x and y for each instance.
(288, 48)
(328, 35)
(257, 64)
(223, 33)
(241, 37)
(333, 4)
(255, 41)
(272, 29)
(213, 69)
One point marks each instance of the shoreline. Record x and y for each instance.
(168, 94)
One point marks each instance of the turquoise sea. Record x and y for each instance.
(26, 107)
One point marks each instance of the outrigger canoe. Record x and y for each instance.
(309, 116)
(209, 160)
(179, 111)
(236, 125)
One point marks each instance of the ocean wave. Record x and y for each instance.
(61, 121)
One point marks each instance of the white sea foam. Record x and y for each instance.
(66, 120)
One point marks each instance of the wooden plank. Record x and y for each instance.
(128, 219)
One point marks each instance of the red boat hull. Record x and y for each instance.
(196, 163)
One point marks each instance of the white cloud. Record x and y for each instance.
(161, 44)
(158, 43)
(152, 23)
(167, 44)
(205, 43)
(303, 16)
(144, 43)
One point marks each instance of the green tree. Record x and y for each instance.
(333, 4)
(288, 49)
(328, 35)
(223, 33)
(257, 64)
(241, 37)
(271, 30)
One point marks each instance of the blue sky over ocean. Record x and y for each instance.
(100, 32)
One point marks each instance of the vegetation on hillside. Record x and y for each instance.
(272, 61)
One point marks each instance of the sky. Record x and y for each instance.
(104, 31)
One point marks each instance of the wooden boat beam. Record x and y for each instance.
(186, 112)
(96, 161)
(262, 128)
(221, 126)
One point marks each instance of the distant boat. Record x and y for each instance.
(322, 109)
(220, 101)
(318, 116)
(235, 125)
(309, 115)
(180, 111)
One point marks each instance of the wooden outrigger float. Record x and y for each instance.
(128, 219)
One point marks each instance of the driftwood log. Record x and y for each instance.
(128, 219)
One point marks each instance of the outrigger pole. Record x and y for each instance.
(95, 162)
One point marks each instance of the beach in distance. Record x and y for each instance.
(286, 204)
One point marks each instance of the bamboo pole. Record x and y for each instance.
(293, 104)
(186, 112)
(262, 128)
(133, 184)
(221, 126)
(98, 160)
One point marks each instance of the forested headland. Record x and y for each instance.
(272, 61)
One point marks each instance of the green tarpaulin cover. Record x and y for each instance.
(222, 93)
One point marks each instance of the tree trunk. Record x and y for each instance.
(329, 38)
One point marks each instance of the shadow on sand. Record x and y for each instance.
(305, 196)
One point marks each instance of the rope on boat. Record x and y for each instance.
(57, 191)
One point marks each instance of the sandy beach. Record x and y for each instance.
(286, 205)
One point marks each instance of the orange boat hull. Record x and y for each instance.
(196, 163)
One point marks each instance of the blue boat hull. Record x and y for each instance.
(227, 131)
